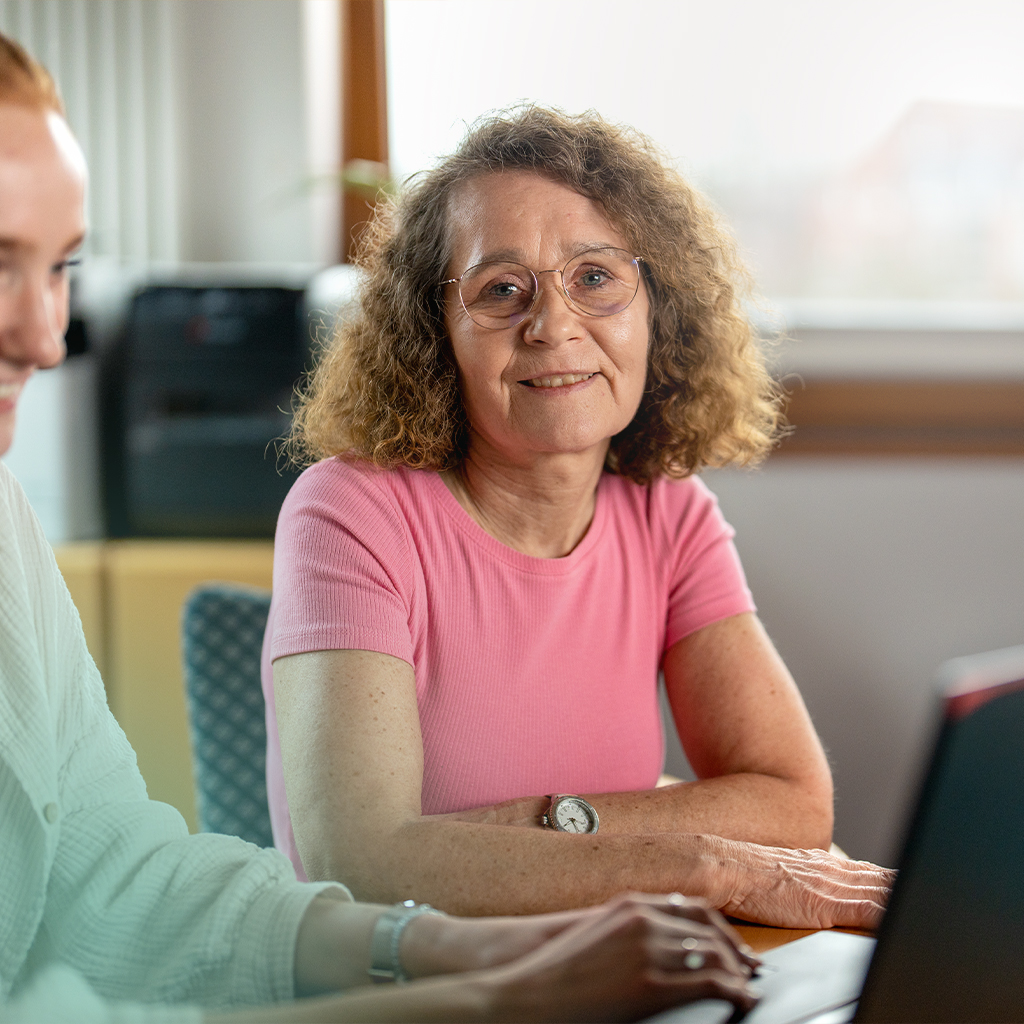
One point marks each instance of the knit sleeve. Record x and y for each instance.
(343, 565)
(137, 907)
(57, 994)
(705, 581)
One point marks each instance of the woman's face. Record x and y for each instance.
(559, 381)
(42, 187)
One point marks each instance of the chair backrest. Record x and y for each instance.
(222, 637)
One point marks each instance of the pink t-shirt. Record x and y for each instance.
(533, 675)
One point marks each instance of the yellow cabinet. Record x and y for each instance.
(129, 594)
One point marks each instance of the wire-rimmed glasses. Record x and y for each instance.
(500, 294)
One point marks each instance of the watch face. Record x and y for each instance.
(571, 814)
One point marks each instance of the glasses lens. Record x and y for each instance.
(602, 281)
(497, 294)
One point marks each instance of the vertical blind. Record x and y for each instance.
(112, 61)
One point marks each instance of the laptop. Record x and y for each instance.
(951, 945)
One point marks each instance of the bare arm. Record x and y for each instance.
(615, 962)
(763, 775)
(353, 763)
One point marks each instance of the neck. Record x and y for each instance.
(543, 509)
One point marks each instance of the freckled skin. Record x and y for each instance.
(542, 224)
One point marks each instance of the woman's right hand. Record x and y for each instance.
(627, 959)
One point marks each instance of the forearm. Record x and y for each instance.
(332, 947)
(332, 951)
(484, 869)
(619, 961)
(747, 806)
(333, 943)
(473, 869)
(441, 999)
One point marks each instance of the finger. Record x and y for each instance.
(699, 911)
(827, 863)
(677, 934)
(865, 914)
(830, 890)
(710, 985)
(862, 875)
(822, 863)
(745, 952)
(695, 955)
(869, 868)
(840, 885)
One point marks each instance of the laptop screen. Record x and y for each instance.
(951, 947)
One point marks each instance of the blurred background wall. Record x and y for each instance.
(870, 157)
(212, 133)
(209, 127)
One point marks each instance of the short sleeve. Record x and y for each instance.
(344, 571)
(706, 581)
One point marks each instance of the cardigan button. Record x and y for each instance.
(50, 812)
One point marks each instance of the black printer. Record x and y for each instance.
(195, 398)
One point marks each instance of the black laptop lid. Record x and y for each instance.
(951, 947)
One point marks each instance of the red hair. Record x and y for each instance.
(25, 81)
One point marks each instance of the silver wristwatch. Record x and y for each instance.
(569, 813)
(387, 934)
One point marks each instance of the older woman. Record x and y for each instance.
(109, 909)
(504, 542)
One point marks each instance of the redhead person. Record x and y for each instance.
(502, 540)
(109, 909)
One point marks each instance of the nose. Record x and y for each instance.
(552, 319)
(32, 334)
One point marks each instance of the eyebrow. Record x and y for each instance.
(14, 244)
(516, 255)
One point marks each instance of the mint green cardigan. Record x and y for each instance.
(109, 909)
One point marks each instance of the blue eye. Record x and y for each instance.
(505, 290)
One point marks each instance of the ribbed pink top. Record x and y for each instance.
(533, 675)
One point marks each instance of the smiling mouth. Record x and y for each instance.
(9, 390)
(559, 381)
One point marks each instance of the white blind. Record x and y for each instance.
(111, 59)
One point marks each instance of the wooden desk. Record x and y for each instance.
(129, 594)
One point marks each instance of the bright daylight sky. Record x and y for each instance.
(780, 84)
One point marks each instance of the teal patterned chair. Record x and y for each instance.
(222, 636)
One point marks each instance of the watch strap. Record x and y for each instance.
(385, 964)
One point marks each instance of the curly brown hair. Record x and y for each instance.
(386, 387)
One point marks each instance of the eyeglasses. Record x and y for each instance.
(599, 282)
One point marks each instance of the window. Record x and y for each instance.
(869, 150)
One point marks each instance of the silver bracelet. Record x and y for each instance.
(387, 933)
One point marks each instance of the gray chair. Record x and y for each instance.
(222, 636)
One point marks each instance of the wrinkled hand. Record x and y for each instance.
(796, 888)
(626, 960)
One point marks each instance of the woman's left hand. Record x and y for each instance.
(794, 888)
(625, 960)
